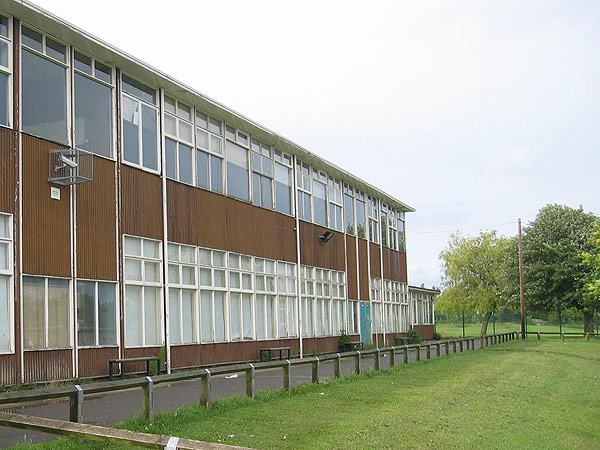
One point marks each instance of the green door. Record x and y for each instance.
(365, 322)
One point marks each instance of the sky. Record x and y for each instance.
(475, 113)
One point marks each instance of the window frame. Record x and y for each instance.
(212, 289)
(180, 287)
(9, 71)
(178, 139)
(9, 273)
(96, 309)
(208, 151)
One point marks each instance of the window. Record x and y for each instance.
(307, 301)
(353, 317)
(286, 288)
(349, 221)
(213, 290)
(401, 233)
(96, 313)
(46, 313)
(384, 226)
(304, 191)
(373, 220)
(361, 221)
(143, 282)
(283, 182)
(237, 171)
(266, 289)
(93, 105)
(240, 297)
(262, 174)
(376, 305)
(44, 85)
(395, 294)
(319, 198)
(182, 294)
(5, 72)
(323, 297)
(393, 229)
(209, 152)
(335, 204)
(179, 140)
(140, 124)
(6, 283)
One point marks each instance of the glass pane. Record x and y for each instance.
(202, 169)
(103, 72)
(360, 219)
(282, 316)
(261, 331)
(3, 26)
(219, 258)
(151, 249)
(174, 274)
(216, 144)
(107, 316)
(58, 313)
(3, 99)
(185, 131)
(219, 316)
(33, 313)
(56, 50)
(173, 252)
(133, 246)
(188, 254)
(149, 129)
(237, 171)
(189, 317)
(201, 138)
(215, 126)
(174, 316)
(292, 317)
(267, 192)
(4, 252)
(201, 120)
(319, 203)
(139, 90)
(282, 189)
(188, 275)
(31, 38)
(234, 280)
(205, 277)
(205, 257)
(246, 262)
(86, 313)
(219, 278)
(247, 316)
(234, 261)
(83, 63)
(185, 164)
(169, 104)
(133, 316)
(246, 281)
(93, 116)
(234, 323)
(270, 317)
(170, 125)
(152, 316)
(133, 269)
(216, 174)
(131, 130)
(152, 271)
(5, 316)
(206, 315)
(44, 98)
(256, 195)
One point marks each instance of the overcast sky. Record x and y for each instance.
(473, 112)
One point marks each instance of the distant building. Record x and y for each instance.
(186, 226)
(422, 314)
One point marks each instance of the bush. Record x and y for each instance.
(344, 340)
(413, 337)
(437, 336)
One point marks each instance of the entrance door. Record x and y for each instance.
(365, 322)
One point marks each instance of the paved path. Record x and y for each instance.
(112, 408)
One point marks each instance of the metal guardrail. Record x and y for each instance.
(539, 334)
(76, 393)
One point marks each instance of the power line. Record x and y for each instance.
(461, 230)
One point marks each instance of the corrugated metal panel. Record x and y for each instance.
(8, 168)
(363, 269)
(96, 224)
(320, 345)
(313, 252)
(351, 258)
(141, 203)
(93, 362)
(47, 365)
(46, 222)
(375, 260)
(8, 369)
(138, 353)
(424, 331)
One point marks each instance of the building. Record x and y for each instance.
(422, 315)
(137, 214)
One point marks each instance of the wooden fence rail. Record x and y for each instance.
(76, 393)
(106, 434)
(539, 334)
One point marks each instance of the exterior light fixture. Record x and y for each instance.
(326, 237)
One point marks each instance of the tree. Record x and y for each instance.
(554, 272)
(473, 274)
(591, 259)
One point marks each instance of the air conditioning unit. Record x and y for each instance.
(70, 166)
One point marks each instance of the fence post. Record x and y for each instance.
(439, 349)
(148, 401)
(428, 351)
(357, 363)
(447, 347)
(393, 357)
(378, 359)
(205, 388)
(315, 370)
(461, 345)
(336, 366)
(76, 405)
(472, 343)
(405, 356)
(454, 346)
(562, 336)
(418, 352)
(481, 341)
(250, 380)
(287, 375)
(587, 336)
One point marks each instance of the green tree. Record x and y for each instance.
(554, 272)
(591, 259)
(473, 274)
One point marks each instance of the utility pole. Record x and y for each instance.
(521, 282)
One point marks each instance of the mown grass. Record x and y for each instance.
(448, 330)
(533, 394)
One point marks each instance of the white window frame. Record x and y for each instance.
(286, 161)
(263, 151)
(8, 70)
(9, 272)
(212, 289)
(96, 325)
(241, 291)
(372, 220)
(180, 121)
(198, 127)
(335, 198)
(304, 185)
(181, 286)
(286, 275)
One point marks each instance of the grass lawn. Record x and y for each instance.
(533, 394)
(448, 330)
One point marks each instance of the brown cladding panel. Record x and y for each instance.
(424, 331)
(8, 369)
(8, 168)
(364, 273)
(46, 222)
(313, 252)
(139, 353)
(394, 265)
(403, 268)
(375, 260)
(48, 365)
(141, 200)
(352, 268)
(96, 224)
(93, 362)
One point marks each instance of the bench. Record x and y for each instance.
(268, 353)
(400, 341)
(123, 361)
(353, 345)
